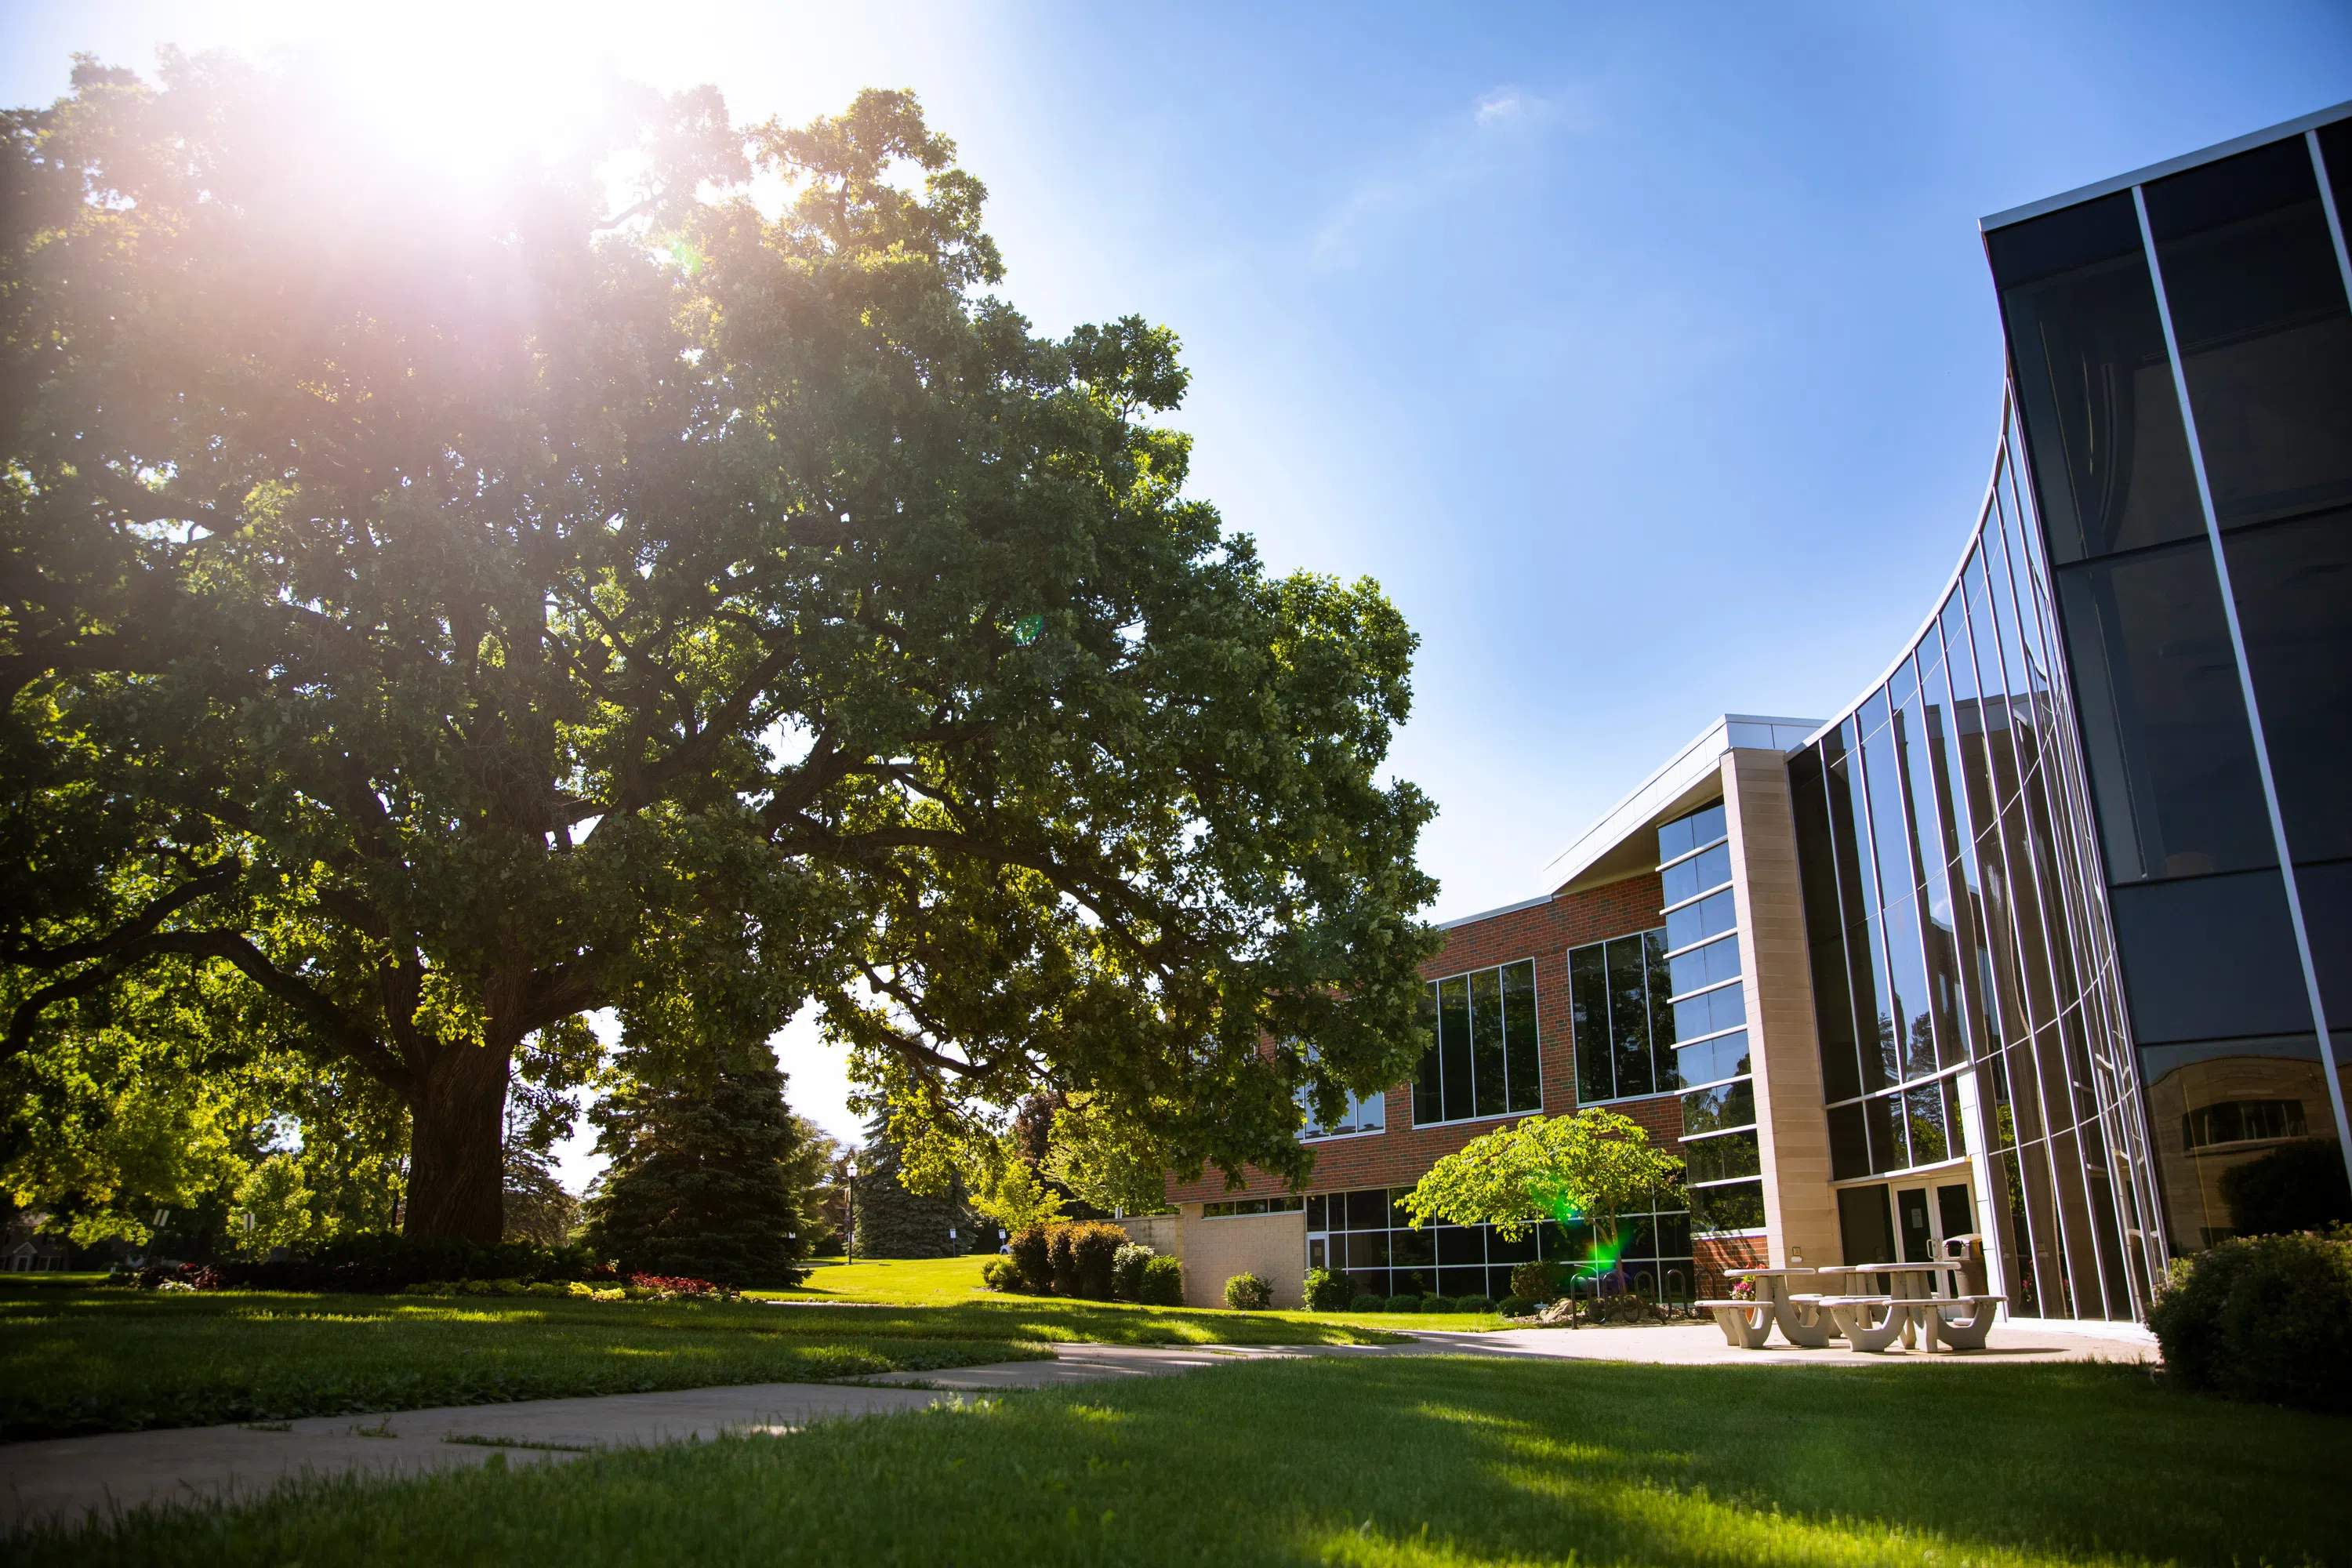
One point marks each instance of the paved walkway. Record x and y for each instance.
(70, 1476)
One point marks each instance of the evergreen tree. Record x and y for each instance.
(540, 1208)
(700, 1182)
(892, 1222)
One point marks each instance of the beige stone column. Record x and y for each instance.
(1784, 1051)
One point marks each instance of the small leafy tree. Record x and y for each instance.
(1016, 1199)
(274, 1206)
(1594, 1166)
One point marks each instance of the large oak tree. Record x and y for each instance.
(447, 604)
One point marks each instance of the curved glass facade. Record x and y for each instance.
(1976, 1062)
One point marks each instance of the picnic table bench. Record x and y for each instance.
(1868, 1323)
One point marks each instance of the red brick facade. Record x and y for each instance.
(1544, 933)
(1717, 1253)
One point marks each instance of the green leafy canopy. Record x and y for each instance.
(436, 619)
(1594, 1165)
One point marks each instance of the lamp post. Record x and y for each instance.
(849, 1217)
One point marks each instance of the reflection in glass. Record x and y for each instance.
(2258, 305)
(2171, 758)
(2292, 582)
(2110, 457)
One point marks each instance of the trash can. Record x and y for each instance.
(1968, 1252)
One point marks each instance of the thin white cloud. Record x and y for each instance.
(1463, 151)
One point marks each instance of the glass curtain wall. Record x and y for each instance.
(1485, 1058)
(1709, 1009)
(2182, 355)
(1962, 958)
(1367, 1237)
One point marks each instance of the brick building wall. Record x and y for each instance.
(1544, 931)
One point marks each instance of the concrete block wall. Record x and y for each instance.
(1270, 1246)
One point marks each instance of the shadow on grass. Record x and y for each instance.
(1418, 1461)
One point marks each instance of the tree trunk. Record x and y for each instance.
(456, 1172)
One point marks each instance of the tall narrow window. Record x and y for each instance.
(1485, 1060)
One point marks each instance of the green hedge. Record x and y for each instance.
(2265, 1317)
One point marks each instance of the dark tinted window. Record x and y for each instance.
(1588, 1002)
(2294, 587)
(2327, 919)
(1428, 1098)
(2210, 958)
(1487, 1042)
(2336, 147)
(1520, 1035)
(1816, 855)
(1453, 1047)
(1629, 1016)
(2095, 385)
(1849, 1145)
(2265, 337)
(1866, 1224)
(2171, 759)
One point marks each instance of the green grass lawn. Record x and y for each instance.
(76, 1359)
(1386, 1462)
(954, 1281)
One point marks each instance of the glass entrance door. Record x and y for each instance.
(1928, 1216)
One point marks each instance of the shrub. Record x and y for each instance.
(1515, 1306)
(1127, 1270)
(1032, 1255)
(1001, 1274)
(2262, 1318)
(1437, 1304)
(1094, 1251)
(1368, 1302)
(1248, 1293)
(1163, 1282)
(1326, 1291)
(1473, 1304)
(1401, 1304)
(1536, 1282)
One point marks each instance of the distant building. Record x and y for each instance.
(2050, 931)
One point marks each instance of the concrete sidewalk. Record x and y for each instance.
(72, 1476)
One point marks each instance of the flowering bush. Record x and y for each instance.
(1127, 1270)
(1743, 1291)
(179, 1277)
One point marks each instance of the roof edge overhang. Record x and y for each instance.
(2214, 153)
(1687, 779)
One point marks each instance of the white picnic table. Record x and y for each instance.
(1915, 1310)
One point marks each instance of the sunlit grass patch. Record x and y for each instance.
(1422, 1461)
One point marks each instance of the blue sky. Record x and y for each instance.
(1645, 354)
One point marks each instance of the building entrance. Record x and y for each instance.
(1928, 1214)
